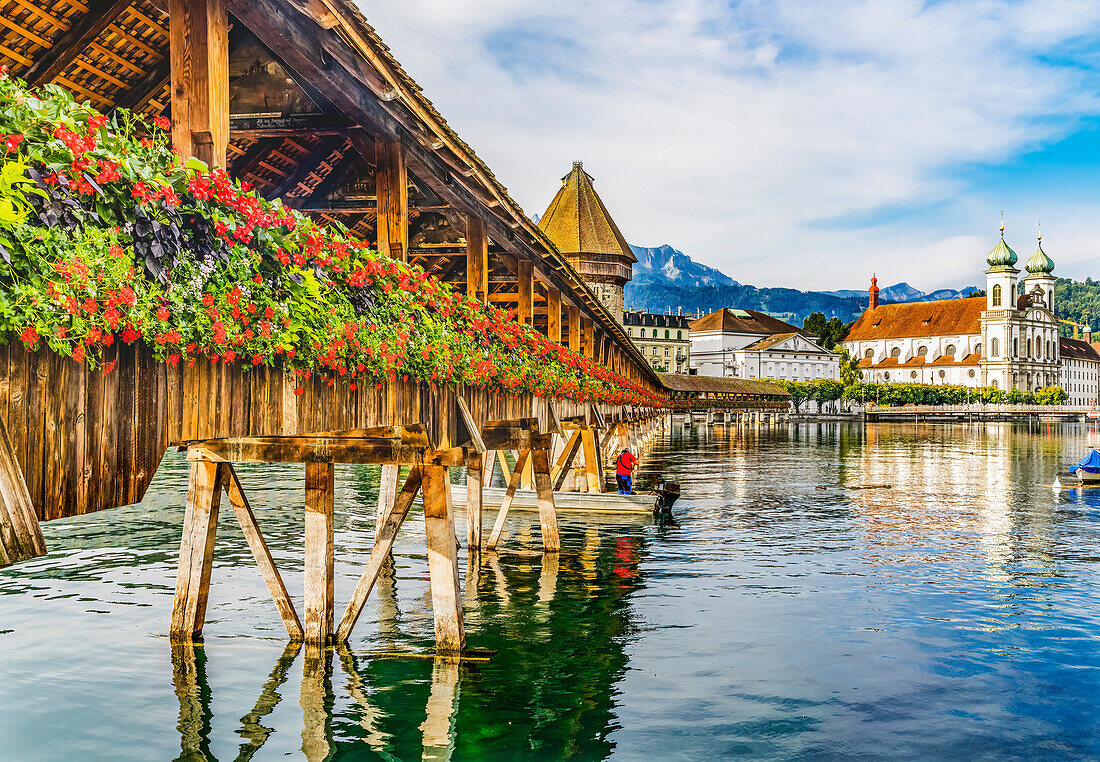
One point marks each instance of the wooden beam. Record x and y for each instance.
(392, 190)
(142, 91)
(306, 166)
(256, 543)
(387, 495)
(565, 460)
(199, 40)
(475, 471)
(470, 424)
(553, 314)
(548, 517)
(20, 533)
(200, 525)
(588, 337)
(525, 312)
(477, 259)
(574, 317)
(506, 501)
(76, 41)
(383, 544)
(306, 449)
(439, 527)
(320, 553)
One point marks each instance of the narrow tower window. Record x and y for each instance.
(997, 295)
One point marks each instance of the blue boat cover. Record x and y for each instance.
(1090, 463)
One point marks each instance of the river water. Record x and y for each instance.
(800, 610)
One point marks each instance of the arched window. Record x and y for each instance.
(666, 334)
(978, 348)
(997, 295)
(994, 348)
(679, 334)
(654, 333)
(869, 354)
(1048, 350)
(922, 351)
(895, 352)
(1029, 347)
(1015, 347)
(949, 350)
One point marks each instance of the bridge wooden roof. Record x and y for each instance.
(677, 382)
(115, 53)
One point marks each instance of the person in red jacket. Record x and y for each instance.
(624, 467)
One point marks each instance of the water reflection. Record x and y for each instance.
(801, 609)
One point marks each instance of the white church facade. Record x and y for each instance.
(1005, 339)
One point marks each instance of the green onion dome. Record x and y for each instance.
(1040, 262)
(1002, 254)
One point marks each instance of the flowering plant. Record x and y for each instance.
(105, 235)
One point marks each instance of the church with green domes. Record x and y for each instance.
(1006, 339)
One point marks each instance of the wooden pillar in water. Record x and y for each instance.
(548, 516)
(475, 471)
(200, 525)
(450, 633)
(387, 494)
(198, 32)
(477, 259)
(392, 189)
(320, 553)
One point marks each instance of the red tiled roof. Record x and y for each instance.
(743, 321)
(944, 317)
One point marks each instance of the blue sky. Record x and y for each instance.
(791, 142)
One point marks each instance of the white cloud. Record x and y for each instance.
(732, 132)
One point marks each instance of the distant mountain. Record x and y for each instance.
(664, 264)
(903, 292)
(666, 279)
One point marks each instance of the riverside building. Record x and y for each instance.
(1005, 339)
(664, 340)
(751, 344)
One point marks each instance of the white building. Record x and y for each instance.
(751, 344)
(1080, 371)
(1007, 338)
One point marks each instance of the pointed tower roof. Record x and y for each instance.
(1040, 262)
(1002, 254)
(578, 222)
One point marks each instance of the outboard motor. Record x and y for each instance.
(667, 495)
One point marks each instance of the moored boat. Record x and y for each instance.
(1088, 470)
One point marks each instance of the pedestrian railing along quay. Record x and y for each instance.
(978, 411)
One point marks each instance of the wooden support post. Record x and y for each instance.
(588, 337)
(591, 459)
(477, 259)
(474, 472)
(574, 317)
(320, 557)
(490, 465)
(247, 519)
(387, 494)
(525, 284)
(20, 533)
(198, 32)
(506, 501)
(505, 469)
(450, 634)
(553, 314)
(382, 546)
(527, 481)
(392, 190)
(565, 460)
(548, 517)
(200, 525)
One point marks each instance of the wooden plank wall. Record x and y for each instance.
(88, 440)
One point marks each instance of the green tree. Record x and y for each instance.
(799, 390)
(1051, 395)
(1014, 396)
(849, 369)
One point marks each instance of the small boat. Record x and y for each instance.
(574, 502)
(1088, 470)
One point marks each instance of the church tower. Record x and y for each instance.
(579, 225)
(1000, 341)
(1040, 274)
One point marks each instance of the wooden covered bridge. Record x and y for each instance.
(301, 99)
